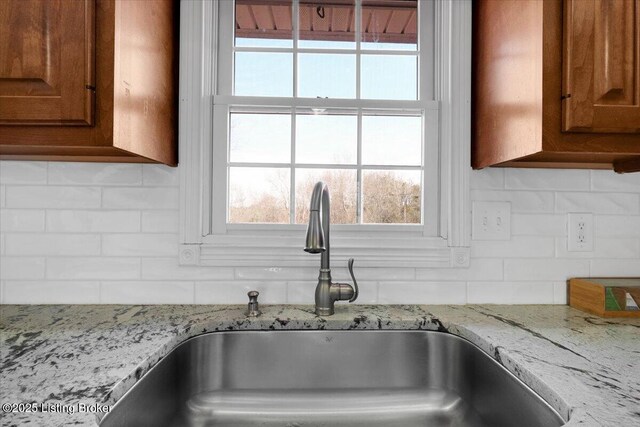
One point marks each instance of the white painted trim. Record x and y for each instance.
(340, 51)
(197, 49)
(443, 244)
(239, 255)
(454, 24)
(333, 103)
(329, 166)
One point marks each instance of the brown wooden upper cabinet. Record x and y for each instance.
(556, 84)
(42, 83)
(89, 80)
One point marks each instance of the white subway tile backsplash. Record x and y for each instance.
(155, 175)
(547, 179)
(488, 293)
(479, 269)
(93, 268)
(560, 293)
(603, 248)
(23, 196)
(168, 269)
(140, 198)
(95, 174)
(235, 292)
(488, 178)
(368, 290)
(160, 221)
(615, 267)
(370, 273)
(52, 244)
(108, 233)
(21, 172)
(52, 292)
(140, 244)
(92, 221)
(425, 292)
(521, 201)
(301, 292)
(599, 203)
(539, 224)
(21, 268)
(510, 293)
(607, 181)
(532, 293)
(617, 226)
(276, 273)
(544, 269)
(517, 247)
(140, 292)
(21, 220)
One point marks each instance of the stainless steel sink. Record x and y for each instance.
(330, 378)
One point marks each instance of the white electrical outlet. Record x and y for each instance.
(491, 221)
(580, 233)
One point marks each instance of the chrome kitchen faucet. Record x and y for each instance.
(327, 293)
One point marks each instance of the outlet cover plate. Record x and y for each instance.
(491, 221)
(580, 232)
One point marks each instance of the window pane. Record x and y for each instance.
(263, 74)
(391, 140)
(325, 24)
(389, 27)
(259, 195)
(391, 197)
(326, 75)
(389, 77)
(260, 138)
(326, 139)
(342, 189)
(263, 23)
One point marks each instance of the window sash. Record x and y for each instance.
(217, 215)
(425, 50)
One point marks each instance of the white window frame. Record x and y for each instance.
(441, 241)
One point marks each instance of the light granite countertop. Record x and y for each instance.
(58, 358)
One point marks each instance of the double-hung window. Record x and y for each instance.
(291, 92)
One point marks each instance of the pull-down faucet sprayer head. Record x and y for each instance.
(315, 234)
(318, 212)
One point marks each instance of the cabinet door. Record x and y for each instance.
(47, 62)
(601, 69)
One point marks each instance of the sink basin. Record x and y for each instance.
(330, 378)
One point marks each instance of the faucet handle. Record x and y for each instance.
(355, 284)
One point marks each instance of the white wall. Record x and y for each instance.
(107, 233)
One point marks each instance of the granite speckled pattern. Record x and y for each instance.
(587, 368)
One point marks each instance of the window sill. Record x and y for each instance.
(405, 250)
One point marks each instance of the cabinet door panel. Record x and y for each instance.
(47, 62)
(601, 67)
